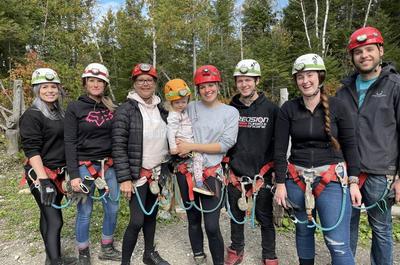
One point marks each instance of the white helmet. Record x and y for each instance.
(247, 67)
(308, 62)
(44, 75)
(96, 70)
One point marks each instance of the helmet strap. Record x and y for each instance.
(315, 92)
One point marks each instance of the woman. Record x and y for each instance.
(322, 135)
(251, 156)
(41, 129)
(213, 138)
(139, 147)
(88, 152)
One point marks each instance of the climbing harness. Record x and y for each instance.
(304, 178)
(152, 176)
(214, 171)
(257, 182)
(381, 203)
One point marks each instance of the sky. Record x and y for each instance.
(105, 5)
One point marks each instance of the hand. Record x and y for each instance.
(173, 151)
(396, 188)
(280, 194)
(126, 189)
(48, 192)
(355, 195)
(183, 148)
(78, 197)
(75, 184)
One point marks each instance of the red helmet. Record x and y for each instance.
(207, 74)
(364, 36)
(143, 69)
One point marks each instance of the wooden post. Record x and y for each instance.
(283, 96)
(12, 131)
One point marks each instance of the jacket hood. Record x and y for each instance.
(89, 101)
(235, 102)
(387, 69)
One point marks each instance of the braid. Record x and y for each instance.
(325, 105)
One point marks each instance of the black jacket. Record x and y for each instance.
(42, 136)
(87, 134)
(127, 140)
(254, 146)
(311, 146)
(377, 121)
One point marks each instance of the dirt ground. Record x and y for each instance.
(173, 244)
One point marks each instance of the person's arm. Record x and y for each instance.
(281, 144)
(172, 129)
(71, 142)
(227, 140)
(32, 141)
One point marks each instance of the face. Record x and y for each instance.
(145, 86)
(246, 85)
(180, 104)
(307, 82)
(367, 58)
(209, 92)
(48, 92)
(95, 86)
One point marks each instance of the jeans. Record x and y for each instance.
(263, 215)
(328, 206)
(110, 208)
(381, 223)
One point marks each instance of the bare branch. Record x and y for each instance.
(5, 91)
(3, 127)
(45, 21)
(305, 23)
(324, 29)
(5, 109)
(367, 14)
(316, 19)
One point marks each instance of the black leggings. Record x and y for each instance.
(211, 220)
(51, 222)
(263, 216)
(139, 220)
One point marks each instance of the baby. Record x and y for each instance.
(177, 93)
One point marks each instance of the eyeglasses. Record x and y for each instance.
(141, 82)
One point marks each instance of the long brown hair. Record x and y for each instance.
(325, 105)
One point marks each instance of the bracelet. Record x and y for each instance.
(353, 180)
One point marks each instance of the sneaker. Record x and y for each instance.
(203, 189)
(153, 258)
(200, 259)
(84, 256)
(109, 252)
(233, 257)
(63, 261)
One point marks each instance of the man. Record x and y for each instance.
(373, 94)
(252, 155)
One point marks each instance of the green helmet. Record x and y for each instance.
(44, 75)
(308, 62)
(247, 67)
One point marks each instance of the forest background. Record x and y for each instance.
(178, 36)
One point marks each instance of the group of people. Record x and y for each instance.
(344, 151)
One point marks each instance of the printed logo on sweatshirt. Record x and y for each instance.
(379, 94)
(253, 122)
(99, 117)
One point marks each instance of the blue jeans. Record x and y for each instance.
(110, 208)
(328, 206)
(381, 223)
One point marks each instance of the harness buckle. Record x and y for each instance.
(242, 202)
(308, 175)
(154, 187)
(340, 171)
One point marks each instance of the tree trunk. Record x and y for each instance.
(324, 29)
(367, 13)
(303, 10)
(12, 131)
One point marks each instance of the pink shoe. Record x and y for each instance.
(232, 257)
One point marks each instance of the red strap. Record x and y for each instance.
(266, 168)
(53, 174)
(210, 171)
(144, 172)
(182, 168)
(295, 176)
(326, 177)
(92, 171)
(361, 179)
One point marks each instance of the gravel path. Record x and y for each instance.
(173, 244)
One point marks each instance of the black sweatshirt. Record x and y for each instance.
(311, 146)
(87, 133)
(254, 146)
(44, 137)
